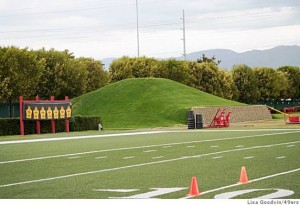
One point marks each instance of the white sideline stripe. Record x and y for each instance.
(281, 157)
(250, 157)
(153, 150)
(130, 157)
(218, 157)
(139, 165)
(238, 184)
(146, 146)
(136, 133)
(82, 137)
(290, 146)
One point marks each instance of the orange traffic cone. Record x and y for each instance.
(194, 191)
(243, 177)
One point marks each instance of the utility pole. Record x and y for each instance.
(183, 29)
(137, 29)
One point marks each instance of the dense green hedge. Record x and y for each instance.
(77, 123)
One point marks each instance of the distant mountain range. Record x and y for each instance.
(274, 58)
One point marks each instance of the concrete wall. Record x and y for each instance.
(239, 113)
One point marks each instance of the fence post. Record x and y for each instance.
(52, 121)
(38, 123)
(21, 115)
(67, 126)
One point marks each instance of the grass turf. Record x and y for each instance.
(144, 103)
(150, 161)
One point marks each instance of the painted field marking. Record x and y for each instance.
(129, 157)
(159, 157)
(239, 146)
(154, 193)
(82, 137)
(217, 157)
(250, 157)
(136, 133)
(190, 146)
(279, 193)
(239, 184)
(214, 146)
(153, 150)
(102, 157)
(290, 145)
(139, 165)
(146, 146)
(281, 157)
(167, 146)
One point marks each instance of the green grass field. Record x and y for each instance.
(151, 165)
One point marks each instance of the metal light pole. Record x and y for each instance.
(137, 29)
(184, 49)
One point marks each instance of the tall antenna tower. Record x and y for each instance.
(137, 28)
(183, 39)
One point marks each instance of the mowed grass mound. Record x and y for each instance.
(144, 103)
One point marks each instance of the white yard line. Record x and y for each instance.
(250, 157)
(239, 184)
(81, 137)
(153, 150)
(130, 157)
(75, 157)
(281, 157)
(146, 146)
(136, 133)
(139, 165)
(214, 146)
(217, 157)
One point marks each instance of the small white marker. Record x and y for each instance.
(282, 157)
(215, 146)
(102, 157)
(218, 157)
(292, 145)
(129, 157)
(191, 146)
(166, 146)
(239, 146)
(75, 157)
(150, 150)
(159, 157)
(250, 157)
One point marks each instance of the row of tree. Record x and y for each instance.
(242, 83)
(47, 73)
(58, 73)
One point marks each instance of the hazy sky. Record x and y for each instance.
(107, 28)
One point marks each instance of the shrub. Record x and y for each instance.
(77, 123)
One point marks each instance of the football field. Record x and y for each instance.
(154, 164)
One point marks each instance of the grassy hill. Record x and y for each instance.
(144, 103)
